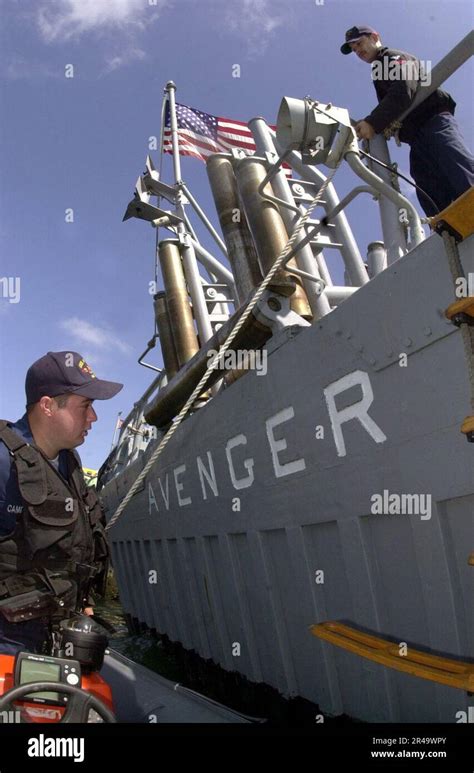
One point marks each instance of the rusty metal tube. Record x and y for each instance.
(171, 399)
(268, 229)
(168, 351)
(177, 302)
(240, 247)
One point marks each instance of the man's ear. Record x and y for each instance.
(47, 405)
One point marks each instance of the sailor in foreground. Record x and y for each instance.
(440, 163)
(53, 551)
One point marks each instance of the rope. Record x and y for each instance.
(467, 332)
(217, 359)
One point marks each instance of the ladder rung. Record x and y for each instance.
(307, 200)
(324, 245)
(454, 673)
(458, 217)
(461, 311)
(467, 428)
(318, 222)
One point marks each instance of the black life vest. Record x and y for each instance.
(61, 527)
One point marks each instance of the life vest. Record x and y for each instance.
(60, 529)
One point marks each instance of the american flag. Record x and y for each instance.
(201, 134)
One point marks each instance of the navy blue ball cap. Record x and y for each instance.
(356, 33)
(60, 373)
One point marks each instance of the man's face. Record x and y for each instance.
(72, 422)
(366, 47)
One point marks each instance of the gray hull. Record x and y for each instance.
(255, 539)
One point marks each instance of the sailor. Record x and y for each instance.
(52, 545)
(440, 163)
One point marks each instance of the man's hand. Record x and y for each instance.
(88, 611)
(364, 130)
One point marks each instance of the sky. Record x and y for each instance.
(72, 148)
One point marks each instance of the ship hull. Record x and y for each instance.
(337, 486)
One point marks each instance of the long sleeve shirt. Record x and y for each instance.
(397, 77)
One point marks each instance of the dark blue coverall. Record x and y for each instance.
(440, 162)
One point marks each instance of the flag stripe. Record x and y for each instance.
(201, 134)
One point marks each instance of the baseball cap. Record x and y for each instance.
(355, 33)
(59, 373)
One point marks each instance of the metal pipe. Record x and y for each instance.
(240, 247)
(350, 196)
(177, 301)
(305, 259)
(189, 226)
(336, 295)
(343, 233)
(165, 331)
(376, 258)
(443, 70)
(193, 279)
(400, 201)
(268, 231)
(323, 269)
(214, 266)
(393, 231)
(202, 215)
(187, 250)
(141, 361)
(171, 399)
(171, 89)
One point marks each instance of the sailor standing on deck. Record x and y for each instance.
(52, 544)
(440, 163)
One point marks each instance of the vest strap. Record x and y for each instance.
(29, 464)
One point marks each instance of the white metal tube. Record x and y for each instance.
(204, 219)
(193, 280)
(400, 201)
(171, 88)
(392, 229)
(442, 71)
(336, 295)
(376, 258)
(212, 264)
(343, 233)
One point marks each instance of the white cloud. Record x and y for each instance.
(20, 68)
(125, 57)
(255, 21)
(85, 333)
(61, 20)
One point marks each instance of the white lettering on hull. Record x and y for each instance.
(242, 467)
(182, 501)
(239, 483)
(209, 475)
(355, 411)
(281, 445)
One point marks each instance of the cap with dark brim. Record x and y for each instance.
(346, 49)
(59, 373)
(97, 389)
(356, 33)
